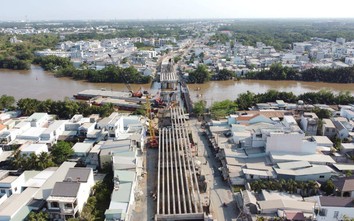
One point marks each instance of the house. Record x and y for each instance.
(309, 122)
(38, 119)
(347, 113)
(68, 198)
(37, 149)
(52, 133)
(342, 131)
(109, 147)
(32, 134)
(328, 128)
(81, 150)
(122, 198)
(345, 187)
(10, 184)
(329, 208)
(86, 128)
(302, 171)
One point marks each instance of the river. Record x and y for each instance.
(40, 84)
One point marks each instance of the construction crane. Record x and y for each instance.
(152, 141)
(134, 94)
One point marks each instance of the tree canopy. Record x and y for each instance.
(200, 75)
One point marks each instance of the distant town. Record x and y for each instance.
(143, 155)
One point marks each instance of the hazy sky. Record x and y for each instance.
(176, 9)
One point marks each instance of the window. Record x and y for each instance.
(323, 212)
(68, 206)
(321, 176)
(2, 191)
(54, 204)
(335, 214)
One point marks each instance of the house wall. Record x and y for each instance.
(289, 143)
(330, 213)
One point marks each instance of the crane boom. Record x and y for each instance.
(126, 83)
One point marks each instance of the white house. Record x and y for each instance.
(328, 128)
(11, 184)
(52, 133)
(329, 208)
(294, 142)
(38, 119)
(68, 198)
(347, 113)
(37, 149)
(309, 123)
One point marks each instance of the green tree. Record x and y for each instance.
(246, 100)
(41, 216)
(328, 187)
(222, 108)
(61, 152)
(6, 102)
(225, 74)
(200, 75)
(199, 107)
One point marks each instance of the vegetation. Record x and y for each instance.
(32, 161)
(52, 62)
(61, 151)
(19, 56)
(308, 188)
(249, 99)
(6, 102)
(110, 74)
(41, 216)
(99, 202)
(222, 108)
(199, 107)
(328, 187)
(278, 72)
(282, 33)
(225, 74)
(176, 59)
(200, 75)
(63, 109)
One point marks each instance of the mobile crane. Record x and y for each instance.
(134, 93)
(152, 141)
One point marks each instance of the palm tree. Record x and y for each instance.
(44, 161)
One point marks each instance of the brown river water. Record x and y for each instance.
(39, 84)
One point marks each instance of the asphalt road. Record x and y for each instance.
(220, 191)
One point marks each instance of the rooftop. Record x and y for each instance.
(334, 201)
(80, 174)
(345, 184)
(65, 189)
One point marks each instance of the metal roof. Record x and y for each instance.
(79, 174)
(65, 189)
(334, 201)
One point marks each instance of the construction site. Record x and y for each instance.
(178, 184)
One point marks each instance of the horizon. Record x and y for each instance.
(40, 10)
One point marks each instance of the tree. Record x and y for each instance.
(200, 75)
(41, 216)
(225, 74)
(328, 187)
(199, 107)
(246, 100)
(61, 152)
(6, 102)
(222, 108)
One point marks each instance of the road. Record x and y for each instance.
(220, 191)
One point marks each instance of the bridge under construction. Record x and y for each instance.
(178, 194)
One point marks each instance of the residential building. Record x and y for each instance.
(68, 198)
(328, 128)
(329, 208)
(345, 187)
(309, 123)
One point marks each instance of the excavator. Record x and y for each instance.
(138, 93)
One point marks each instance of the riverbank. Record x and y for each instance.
(40, 84)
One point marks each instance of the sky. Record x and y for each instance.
(168, 9)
